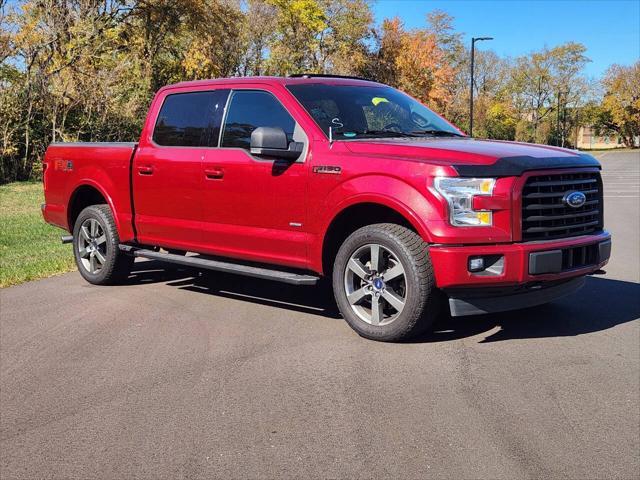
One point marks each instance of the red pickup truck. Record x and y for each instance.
(294, 179)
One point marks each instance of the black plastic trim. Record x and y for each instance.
(476, 304)
(326, 75)
(516, 166)
(545, 262)
(604, 251)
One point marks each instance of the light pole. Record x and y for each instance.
(562, 111)
(473, 47)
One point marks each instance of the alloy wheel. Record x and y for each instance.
(375, 284)
(92, 246)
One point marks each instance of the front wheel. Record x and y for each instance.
(384, 284)
(96, 247)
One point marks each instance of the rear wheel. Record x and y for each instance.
(95, 247)
(383, 283)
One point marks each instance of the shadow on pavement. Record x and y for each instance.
(601, 304)
(316, 300)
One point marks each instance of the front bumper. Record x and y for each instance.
(522, 264)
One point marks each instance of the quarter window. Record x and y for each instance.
(250, 109)
(191, 119)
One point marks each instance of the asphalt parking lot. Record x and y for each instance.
(215, 376)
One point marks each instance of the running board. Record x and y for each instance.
(228, 267)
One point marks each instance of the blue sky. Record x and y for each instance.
(609, 29)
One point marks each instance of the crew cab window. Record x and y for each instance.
(250, 109)
(191, 119)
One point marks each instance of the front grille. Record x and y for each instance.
(545, 216)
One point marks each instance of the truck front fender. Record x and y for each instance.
(390, 192)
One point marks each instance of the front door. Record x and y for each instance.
(255, 208)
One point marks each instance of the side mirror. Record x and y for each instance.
(272, 142)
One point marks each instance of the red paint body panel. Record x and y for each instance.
(104, 167)
(227, 202)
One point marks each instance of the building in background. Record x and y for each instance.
(588, 139)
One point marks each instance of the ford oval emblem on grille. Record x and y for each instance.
(574, 199)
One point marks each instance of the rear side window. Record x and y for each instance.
(191, 119)
(250, 109)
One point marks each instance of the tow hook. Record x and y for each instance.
(598, 272)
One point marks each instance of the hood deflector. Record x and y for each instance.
(515, 166)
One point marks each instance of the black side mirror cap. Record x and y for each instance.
(272, 142)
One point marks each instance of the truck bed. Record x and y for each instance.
(72, 168)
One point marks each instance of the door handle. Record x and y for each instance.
(145, 170)
(214, 173)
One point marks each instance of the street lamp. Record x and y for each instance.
(563, 109)
(473, 43)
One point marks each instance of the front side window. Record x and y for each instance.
(369, 111)
(191, 119)
(250, 109)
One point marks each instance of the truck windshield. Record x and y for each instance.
(357, 112)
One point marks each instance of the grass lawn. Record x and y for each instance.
(29, 247)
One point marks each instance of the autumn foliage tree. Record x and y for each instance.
(414, 61)
(620, 109)
(87, 69)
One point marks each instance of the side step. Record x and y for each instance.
(228, 267)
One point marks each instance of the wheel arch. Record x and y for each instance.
(357, 214)
(83, 196)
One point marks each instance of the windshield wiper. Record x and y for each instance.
(437, 133)
(388, 133)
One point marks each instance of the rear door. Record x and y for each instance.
(167, 170)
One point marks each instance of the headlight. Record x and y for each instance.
(459, 193)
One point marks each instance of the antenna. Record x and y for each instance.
(330, 136)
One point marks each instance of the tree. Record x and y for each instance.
(540, 82)
(67, 63)
(342, 46)
(258, 34)
(318, 36)
(423, 70)
(494, 116)
(413, 61)
(381, 62)
(620, 111)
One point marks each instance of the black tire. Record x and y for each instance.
(422, 301)
(117, 265)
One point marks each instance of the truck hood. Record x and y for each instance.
(472, 157)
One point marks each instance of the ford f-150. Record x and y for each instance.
(298, 178)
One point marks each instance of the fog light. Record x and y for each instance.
(476, 264)
(486, 265)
